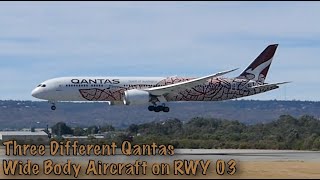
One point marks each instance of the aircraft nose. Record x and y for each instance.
(34, 92)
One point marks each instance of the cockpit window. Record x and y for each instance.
(43, 85)
(39, 85)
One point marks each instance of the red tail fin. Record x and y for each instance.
(259, 68)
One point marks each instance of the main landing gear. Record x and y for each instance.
(158, 108)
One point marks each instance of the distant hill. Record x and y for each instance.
(20, 114)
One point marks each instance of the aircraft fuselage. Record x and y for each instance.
(112, 88)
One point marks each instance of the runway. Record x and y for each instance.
(252, 154)
(237, 154)
(250, 163)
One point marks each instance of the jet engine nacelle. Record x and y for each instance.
(135, 96)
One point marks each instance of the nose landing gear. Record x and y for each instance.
(53, 107)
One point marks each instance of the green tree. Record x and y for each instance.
(78, 131)
(61, 128)
(92, 130)
(133, 128)
(107, 128)
(316, 144)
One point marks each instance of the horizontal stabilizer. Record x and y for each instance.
(270, 85)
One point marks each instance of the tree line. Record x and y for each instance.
(286, 132)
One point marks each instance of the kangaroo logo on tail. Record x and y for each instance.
(259, 68)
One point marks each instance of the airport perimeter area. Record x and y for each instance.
(249, 164)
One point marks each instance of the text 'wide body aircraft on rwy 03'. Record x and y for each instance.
(156, 91)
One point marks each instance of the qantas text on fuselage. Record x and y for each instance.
(95, 81)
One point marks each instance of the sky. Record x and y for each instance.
(43, 40)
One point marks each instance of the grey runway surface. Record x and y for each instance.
(253, 154)
(187, 154)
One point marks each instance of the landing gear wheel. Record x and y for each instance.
(151, 108)
(166, 109)
(53, 108)
(158, 109)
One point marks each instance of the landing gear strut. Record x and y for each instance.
(158, 108)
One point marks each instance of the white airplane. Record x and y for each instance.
(156, 91)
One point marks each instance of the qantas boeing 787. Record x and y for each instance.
(156, 91)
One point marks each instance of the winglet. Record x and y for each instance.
(225, 72)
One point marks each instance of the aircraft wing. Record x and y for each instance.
(158, 91)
